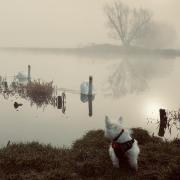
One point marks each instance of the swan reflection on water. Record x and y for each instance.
(87, 94)
(36, 95)
(58, 100)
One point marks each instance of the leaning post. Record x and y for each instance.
(90, 94)
(29, 74)
(90, 85)
(163, 122)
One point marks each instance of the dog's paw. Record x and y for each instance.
(134, 167)
(116, 165)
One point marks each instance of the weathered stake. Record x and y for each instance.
(90, 85)
(163, 122)
(90, 105)
(59, 102)
(29, 73)
(90, 95)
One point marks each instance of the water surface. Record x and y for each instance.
(132, 87)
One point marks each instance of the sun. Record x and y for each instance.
(151, 108)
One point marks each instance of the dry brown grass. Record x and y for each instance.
(40, 92)
(88, 159)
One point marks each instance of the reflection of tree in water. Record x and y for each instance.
(132, 75)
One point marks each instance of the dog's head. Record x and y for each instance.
(112, 129)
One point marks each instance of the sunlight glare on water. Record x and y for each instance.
(135, 88)
(151, 108)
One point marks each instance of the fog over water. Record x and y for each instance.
(139, 88)
(133, 85)
(69, 23)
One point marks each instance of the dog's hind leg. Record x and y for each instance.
(132, 156)
(133, 162)
(113, 157)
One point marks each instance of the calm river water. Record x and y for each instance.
(132, 87)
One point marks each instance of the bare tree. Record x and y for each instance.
(127, 24)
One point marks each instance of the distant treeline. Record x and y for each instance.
(102, 50)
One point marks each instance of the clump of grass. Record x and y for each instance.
(143, 136)
(88, 158)
(40, 92)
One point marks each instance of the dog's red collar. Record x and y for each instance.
(121, 148)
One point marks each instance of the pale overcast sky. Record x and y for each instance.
(68, 23)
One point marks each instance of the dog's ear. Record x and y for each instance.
(107, 122)
(120, 120)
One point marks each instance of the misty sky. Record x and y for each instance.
(69, 23)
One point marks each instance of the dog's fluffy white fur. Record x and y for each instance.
(112, 130)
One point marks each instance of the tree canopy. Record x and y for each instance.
(127, 24)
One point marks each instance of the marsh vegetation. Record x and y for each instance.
(37, 92)
(40, 92)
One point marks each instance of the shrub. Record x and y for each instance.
(40, 92)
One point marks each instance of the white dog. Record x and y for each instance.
(122, 144)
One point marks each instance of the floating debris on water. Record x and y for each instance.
(16, 105)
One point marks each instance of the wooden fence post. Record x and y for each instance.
(29, 73)
(90, 85)
(90, 94)
(163, 122)
(90, 98)
(59, 102)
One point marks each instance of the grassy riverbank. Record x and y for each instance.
(88, 159)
